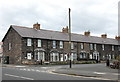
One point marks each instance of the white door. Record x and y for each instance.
(61, 57)
(29, 56)
(91, 56)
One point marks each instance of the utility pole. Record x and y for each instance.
(70, 38)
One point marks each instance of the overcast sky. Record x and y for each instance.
(97, 16)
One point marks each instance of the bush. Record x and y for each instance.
(85, 62)
(59, 63)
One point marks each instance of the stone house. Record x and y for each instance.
(35, 44)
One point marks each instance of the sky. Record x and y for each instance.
(97, 16)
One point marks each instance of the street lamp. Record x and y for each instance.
(70, 37)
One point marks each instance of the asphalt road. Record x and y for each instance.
(45, 72)
(35, 73)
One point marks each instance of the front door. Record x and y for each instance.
(61, 57)
(96, 56)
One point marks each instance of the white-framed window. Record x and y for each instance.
(54, 44)
(29, 56)
(91, 46)
(113, 56)
(72, 45)
(82, 45)
(74, 55)
(95, 46)
(9, 46)
(39, 43)
(29, 42)
(112, 48)
(40, 56)
(61, 44)
(54, 57)
(103, 47)
(82, 55)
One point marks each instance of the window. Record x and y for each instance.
(82, 45)
(61, 44)
(74, 56)
(72, 45)
(39, 43)
(54, 44)
(113, 56)
(29, 42)
(119, 48)
(9, 46)
(91, 46)
(95, 46)
(40, 56)
(82, 55)
(112, 48)
(103, 47)
(29, 56)
(54, 57)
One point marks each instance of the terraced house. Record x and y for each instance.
(34, 44)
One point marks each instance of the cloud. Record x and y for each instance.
(98, 16)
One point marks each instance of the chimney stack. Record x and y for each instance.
(36, 26)
(104, 35)
(65, 30)
(117, 37)
(87, 33)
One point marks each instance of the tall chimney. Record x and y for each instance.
(104, 35)
(36, 26)
(117, 37)
(65, 30)
(87, 33)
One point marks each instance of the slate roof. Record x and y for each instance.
(56, 35)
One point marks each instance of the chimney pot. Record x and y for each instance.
(117, 37)
(65, 30)
(87, 33)
(36, 26)
(104, 35)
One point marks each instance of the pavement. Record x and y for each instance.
(100, 72)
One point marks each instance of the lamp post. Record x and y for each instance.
(70, 37)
